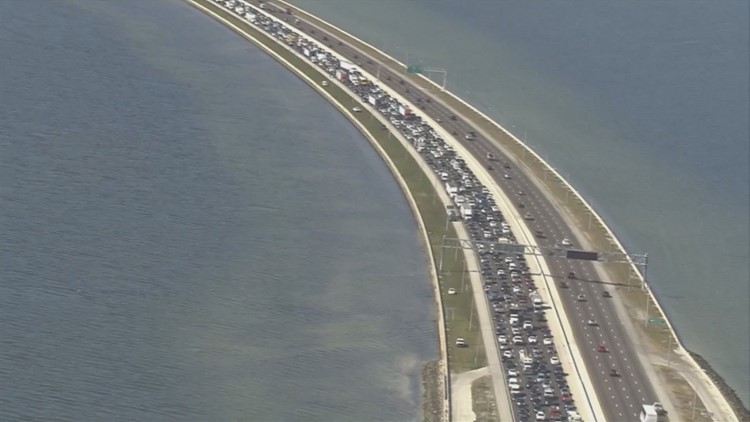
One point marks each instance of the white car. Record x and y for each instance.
(502, 339)
(540, 416)
(566, 242)
(554, 360)
(527, 325)
(547, 341)
(517, 340)
(451, 291)
(356, 109)
(591, 322)
(508, 354)
(512, 373)
(532, 340)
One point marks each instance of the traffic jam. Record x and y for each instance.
(535, 378)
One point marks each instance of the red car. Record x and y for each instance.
(601, 348)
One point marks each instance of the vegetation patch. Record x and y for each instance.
(483, 400)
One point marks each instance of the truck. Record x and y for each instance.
(452, 212)
(466, 211)
(451, 189)
(648, 414)
(348, 66)
(403, 110)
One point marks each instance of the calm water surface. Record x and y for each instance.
(188, 232)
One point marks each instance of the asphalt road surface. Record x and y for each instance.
(622, 396)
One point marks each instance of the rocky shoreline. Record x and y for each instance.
(742, 412)
(432, 397)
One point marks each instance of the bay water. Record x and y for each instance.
(190, 232)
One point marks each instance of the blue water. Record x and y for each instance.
(189, 232)
(642, 105)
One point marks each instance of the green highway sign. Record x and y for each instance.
(413, 69)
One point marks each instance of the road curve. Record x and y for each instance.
(621, 396)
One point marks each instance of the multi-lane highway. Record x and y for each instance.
(618, 377)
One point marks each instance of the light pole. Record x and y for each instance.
(669, 351)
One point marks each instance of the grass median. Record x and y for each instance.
(459, 310)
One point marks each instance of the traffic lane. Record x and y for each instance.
(601, 313)
(622, 396)
(583, 335)
(594, 336)
(615, 394)
(617, 357)
(454, 125)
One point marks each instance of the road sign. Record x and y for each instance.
(584, 255)
(413, 69)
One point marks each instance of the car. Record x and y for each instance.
(581, 298)
(606, 294)
(512, 373)
(601, 348)
(356, 109)
(572, 275)
(453, 117)
(508, 354)
(324, 83)
(659, 409)
(521, 205)
(527, 325)
(566, 242)
(502, 339)
(614, 373)
(507, 176)
(540, 416)
(528, 216)
(460, 342)
(554, 360)
(517, 340)
(451, 291)
(547, 341)
(591, 322)
(539, 234)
